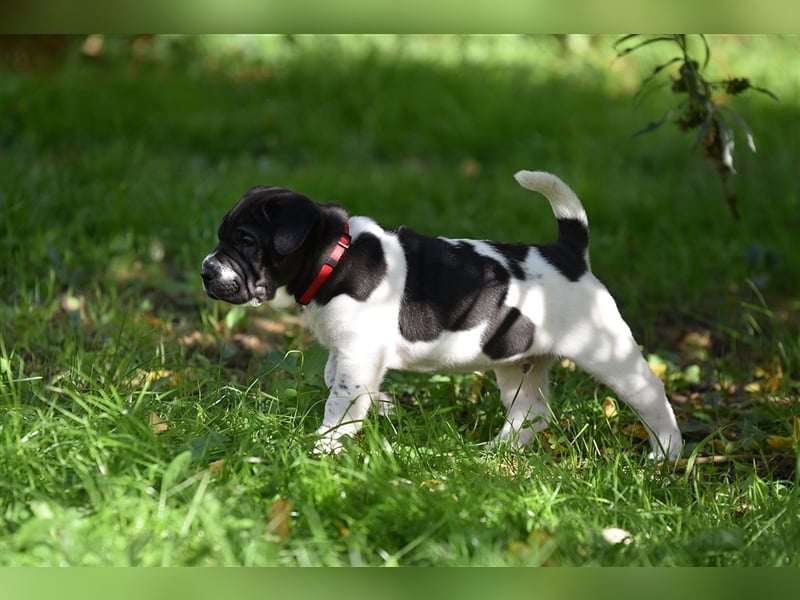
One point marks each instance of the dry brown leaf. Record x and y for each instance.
(279, 516)
(157, 424)
(636, 430)
(216, 468)
(156, 322)
(770, 377)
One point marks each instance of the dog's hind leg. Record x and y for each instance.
(524, 391)
(611, 354)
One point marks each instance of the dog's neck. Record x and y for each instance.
(327, 267)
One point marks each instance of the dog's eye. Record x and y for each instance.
(247, 240)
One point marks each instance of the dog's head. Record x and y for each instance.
(269, 240)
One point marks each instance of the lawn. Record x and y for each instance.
(144, 424)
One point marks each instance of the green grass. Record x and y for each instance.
(143, 424)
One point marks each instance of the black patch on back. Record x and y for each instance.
(449, 287)
(566, 255)
(516, 255)
(360, 271)
(509, 333)
(452, 287)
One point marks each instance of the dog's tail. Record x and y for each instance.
(573, 226)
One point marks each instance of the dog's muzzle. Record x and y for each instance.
(214, 284)
(222, 282)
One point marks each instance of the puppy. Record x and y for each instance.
(382, 299)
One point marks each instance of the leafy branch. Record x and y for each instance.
(697, 109)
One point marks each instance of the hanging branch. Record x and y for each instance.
(697, 109)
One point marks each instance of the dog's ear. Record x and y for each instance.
(292, 218)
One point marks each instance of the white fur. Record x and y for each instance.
(574, 319)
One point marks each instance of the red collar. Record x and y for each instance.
(325, 271)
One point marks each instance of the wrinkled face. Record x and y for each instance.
(256, 240)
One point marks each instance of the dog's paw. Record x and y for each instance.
(328, 444)
(668, 448)
(512, 437)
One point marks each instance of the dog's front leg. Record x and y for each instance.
(353, 383)
(330, 369)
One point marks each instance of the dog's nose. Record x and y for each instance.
(210, 269)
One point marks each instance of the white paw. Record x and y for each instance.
(513, 437)
(669, 448)
(328, 444)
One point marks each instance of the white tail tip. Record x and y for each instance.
(563, 200)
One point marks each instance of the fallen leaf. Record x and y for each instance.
(157, 424)
(753, 388)
(160, 377)
(657, 366)
(770, 376)
(610, 407)
(636, 430)
(696, 344)
(216, 468)
(279, 515)
(779, 443)
(156, 323)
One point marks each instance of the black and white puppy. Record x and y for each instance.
(383, 299)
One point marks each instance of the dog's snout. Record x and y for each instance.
(210, 269)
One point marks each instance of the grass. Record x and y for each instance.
(143, 424)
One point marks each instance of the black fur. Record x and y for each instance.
(516, 254)
(509, 333)
(360, 271)
(567, 254)
(451, 287)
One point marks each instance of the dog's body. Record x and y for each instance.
(394, 299)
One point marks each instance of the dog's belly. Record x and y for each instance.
(455, 351)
